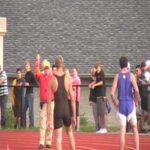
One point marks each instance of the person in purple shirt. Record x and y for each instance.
(128, 99)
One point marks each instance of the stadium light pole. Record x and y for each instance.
(3, 30)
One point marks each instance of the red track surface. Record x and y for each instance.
(23, 140)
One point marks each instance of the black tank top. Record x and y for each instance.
(60, 96)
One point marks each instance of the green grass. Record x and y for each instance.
(10, 121)
(85, 124)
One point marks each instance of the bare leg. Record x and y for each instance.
(136, 136)
(71, 137)
(58, 133)
(122, 137)
(78, 123)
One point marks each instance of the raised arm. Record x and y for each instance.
(37, 71)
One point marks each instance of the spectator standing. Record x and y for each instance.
(76, 82)
(137, 74)
(126, 82)
(147, 80)
(46, 103)
(143, 94)
(30, 81)
(100, 92)
(92, 98)
(17, 96)
(3, 96)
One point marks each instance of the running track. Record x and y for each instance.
(25, 140)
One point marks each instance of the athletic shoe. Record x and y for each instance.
(143, 130)
(41, 146)
(48, 146)
(102, 130)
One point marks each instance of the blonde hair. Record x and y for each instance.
(46, 63)
(59, 61)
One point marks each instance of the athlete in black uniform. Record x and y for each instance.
(61, 86)
(61, 111)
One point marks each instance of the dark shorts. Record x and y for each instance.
(17, 108)
(101, 106)
(145, 102)
(62, 118)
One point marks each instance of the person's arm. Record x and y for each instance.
(1, 81)
(113, 90)
(100, 83)
(3, 77)
(37, 71)
(52, 87)
(12, 97)
(91, 84)
(136, 90)
(73, 104)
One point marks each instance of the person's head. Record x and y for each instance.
(43, 63)
(98, 67)
(123, 62)
(27, 66)
(74, 72)
(138, 71)
(18, 73)
(93, 70)
(59, 61)
(46, 66)
(54, 69)
(142, 66)
(147, 65)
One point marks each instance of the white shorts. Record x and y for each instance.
(130, 118)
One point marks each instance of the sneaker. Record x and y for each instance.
(143, 130)
(99, 131)
(41, 146)
(48, 146)
(102, 130)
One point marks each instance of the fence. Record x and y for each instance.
(84, 104)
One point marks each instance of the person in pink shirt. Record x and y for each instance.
(76, 82)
